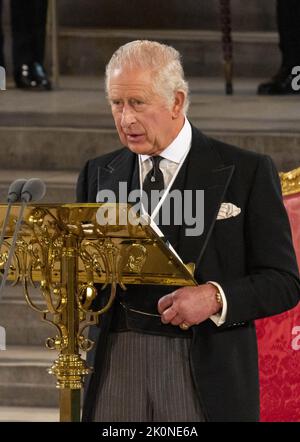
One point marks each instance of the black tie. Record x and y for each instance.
(154, 179)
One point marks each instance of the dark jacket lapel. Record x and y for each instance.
(205, 171)
(171, 231)
(122, 168)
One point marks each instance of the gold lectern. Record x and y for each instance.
(64, 250)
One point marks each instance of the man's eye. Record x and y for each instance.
(116, 103)
(137, 103)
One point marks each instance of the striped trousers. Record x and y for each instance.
(147, 378)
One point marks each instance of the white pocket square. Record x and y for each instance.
(227, 210)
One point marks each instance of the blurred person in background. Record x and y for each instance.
(28, 27)
(288, 22)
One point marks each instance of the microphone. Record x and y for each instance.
(13, 196)
(33, 190)
(15, 189)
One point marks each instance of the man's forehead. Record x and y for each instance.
(130, 82)
(131, 75)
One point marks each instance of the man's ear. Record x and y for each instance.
(179, 101)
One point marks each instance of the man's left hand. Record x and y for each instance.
(190, 305)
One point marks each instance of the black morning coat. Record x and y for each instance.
(250, 255)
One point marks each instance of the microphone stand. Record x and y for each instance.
(13, 246)
(14, 193)
(33, 190)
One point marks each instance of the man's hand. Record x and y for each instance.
(191, 305)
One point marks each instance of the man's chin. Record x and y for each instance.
(140, 149)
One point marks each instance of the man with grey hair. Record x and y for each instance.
(186, 354)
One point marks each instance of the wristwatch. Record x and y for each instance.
(219, 299)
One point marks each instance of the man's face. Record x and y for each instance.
(144, 122)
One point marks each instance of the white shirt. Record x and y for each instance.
(173, 159)
(173, 156)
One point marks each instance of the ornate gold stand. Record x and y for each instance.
(290, 181)
(63, 251)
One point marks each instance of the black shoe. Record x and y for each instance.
(23, 78)
(280, 84)
(39, 76)
(32, 77)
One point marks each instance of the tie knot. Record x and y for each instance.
(155, 162)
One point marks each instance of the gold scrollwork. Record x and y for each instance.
(135, 257)
(290, 181)
(15, 266)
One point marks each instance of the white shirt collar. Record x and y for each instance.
(179, 146)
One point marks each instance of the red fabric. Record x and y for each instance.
(279, 348)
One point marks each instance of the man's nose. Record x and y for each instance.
(128, 116)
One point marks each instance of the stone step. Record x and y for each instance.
(24, 380)
(60, 184)
(66, 144)
(22, 325)
(29, 414)
(63, 150)
(80, 102)
(84, 51)
(253, 15)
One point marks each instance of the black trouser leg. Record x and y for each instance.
(28, 21)
(288, 20)
(40, 19)
(1, 38)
